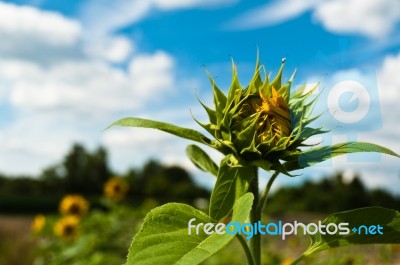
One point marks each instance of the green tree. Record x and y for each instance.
(85, 172)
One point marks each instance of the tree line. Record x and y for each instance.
(330, 194)
(85, 172)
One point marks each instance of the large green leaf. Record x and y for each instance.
(201, 159)
(166, 127)
(388, 219)
(316, 155)
(164, 240)
(232, 182)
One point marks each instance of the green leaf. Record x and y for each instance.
(232, 182)
(201, 159)
(319, 154)
(164, 240)
(166, 127)
(388, 219)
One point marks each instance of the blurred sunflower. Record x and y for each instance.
(287, 261)
(115, 189)
(67, 227)
(38, 223)
(74, 205)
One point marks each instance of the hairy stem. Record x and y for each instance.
(263, 199)
(255, 241)
(249, 256)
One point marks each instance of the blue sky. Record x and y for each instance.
(69, 68)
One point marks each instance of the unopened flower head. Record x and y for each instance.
(67, 227)
(263, 123)
(74, 205)
(115, 189)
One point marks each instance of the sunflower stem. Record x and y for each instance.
(298, 260)
(264, 196)
(247, 251)
(255, 241)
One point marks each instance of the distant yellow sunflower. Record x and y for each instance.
(74, 205)
(67, 227)
(38, 223)
(115, 189)
(287, 261)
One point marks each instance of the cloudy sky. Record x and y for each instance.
(70, 68)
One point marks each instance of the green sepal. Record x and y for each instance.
(245, 131)
(277, 82)
(219, 99)
(210, 128)
(212, 116)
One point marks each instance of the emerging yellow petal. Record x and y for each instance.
(276, 111)
(273, 116)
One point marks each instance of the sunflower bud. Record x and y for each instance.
(262, 123)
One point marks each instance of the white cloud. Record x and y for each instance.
(372, 18)
(33, 142)
(53, 37)
(135, 146)
(389, 82)
(87, 86)
(69, 99)
(115, 49)
(152, 72)
(101, 17)
(72, 102)
(272, 13)
(21, 23)
(175, 4)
